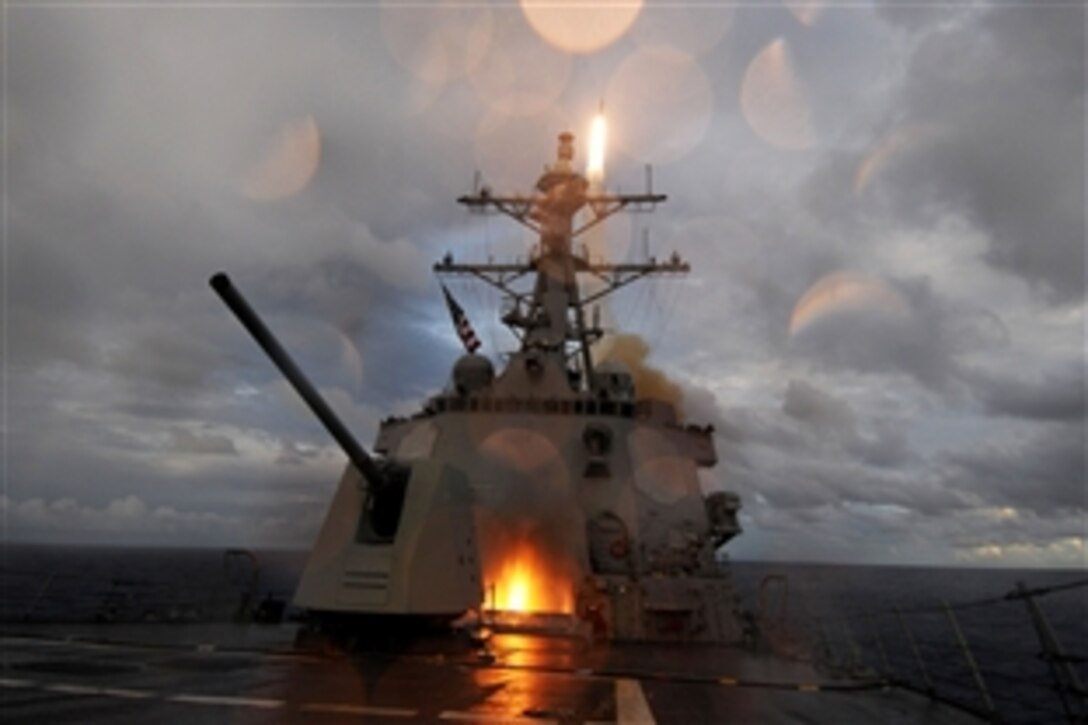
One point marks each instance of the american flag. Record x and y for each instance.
(461, 323)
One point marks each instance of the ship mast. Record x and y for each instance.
(550, 319)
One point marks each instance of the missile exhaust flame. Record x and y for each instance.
(598, 134)
(525, 582)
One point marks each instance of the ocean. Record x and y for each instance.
(894, 620)
(890, 620)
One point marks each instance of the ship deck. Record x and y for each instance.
(252, 673)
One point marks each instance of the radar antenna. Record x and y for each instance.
(550, 317)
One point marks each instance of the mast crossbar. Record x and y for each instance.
(518, 207)
(550, 319)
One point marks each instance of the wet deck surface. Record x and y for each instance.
(147, 673)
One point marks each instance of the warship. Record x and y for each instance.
(550, 486)
(532, 545)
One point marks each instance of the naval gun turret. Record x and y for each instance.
(551, 486)
(355, 567)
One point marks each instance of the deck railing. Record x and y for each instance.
(1007, 659)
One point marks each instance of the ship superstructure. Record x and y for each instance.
(550, 485)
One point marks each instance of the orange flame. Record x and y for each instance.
(595, 158)
(522, 581)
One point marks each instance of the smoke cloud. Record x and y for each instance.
(632, 351)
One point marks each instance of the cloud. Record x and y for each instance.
(201, 444)
(878, 442)
(294, 454)
(1068, 551)
(918, 339)
(131, 520)
(1053, 395)
(816, 408)
(1014, 168)
(167, 357)
(815, 451)
(1042, 470)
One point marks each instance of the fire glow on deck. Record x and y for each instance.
(524, 581)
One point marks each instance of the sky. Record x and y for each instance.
(883, 205)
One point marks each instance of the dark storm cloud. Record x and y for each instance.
(840, 482)
(886, 446)
(921, 335)
(993, 119)
(130, 520)
(779, 488)
(817, 452)
(763, 428)
(880, 443)
(758, 261)
(1005, 91)
(166, 357)
(820, 454)
(808, 404)
(51, 327)
(94, 458)
(118, 217)
(1054, 395)
(1043, 471)
(762, 264)
(162, 409)
(201, 444)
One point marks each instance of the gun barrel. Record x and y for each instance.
(237, 303)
